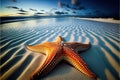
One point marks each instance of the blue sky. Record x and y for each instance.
(87, 8)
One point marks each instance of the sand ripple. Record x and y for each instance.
(16, 35)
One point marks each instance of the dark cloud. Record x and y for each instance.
(79, 8)
(67, 10)
(22, 13)
(66, 5)
(12, 7)
(59, 13)
(21, 10)
(74, 12)
(65, 13)
(33, 9)
(39, 13)
(76, 5)
(61, 5)
(42, 10)
(16, 8)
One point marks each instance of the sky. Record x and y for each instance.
(87, 8)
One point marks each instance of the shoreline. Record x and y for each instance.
(17, 19)
(109, 20)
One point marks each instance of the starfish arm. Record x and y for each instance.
(78, 47)
(52, 58)
(38, 48)
(76, 61)
(58, 40)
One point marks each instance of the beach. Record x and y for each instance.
(18, 63)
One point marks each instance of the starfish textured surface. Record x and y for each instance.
(57, 51)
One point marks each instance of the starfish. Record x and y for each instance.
(57, 51)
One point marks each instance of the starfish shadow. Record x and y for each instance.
(63, 71)
(94, 59)
(59, 70)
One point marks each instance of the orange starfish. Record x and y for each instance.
(57, 51)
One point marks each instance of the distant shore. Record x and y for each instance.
(110, 20)
(24, 18)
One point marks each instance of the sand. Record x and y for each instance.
(102, 58)
(109, 20)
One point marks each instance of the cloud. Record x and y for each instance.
(21, 10)
(42, 10)
(39, 13)
(33, 9)
(59, 13)
(12, 7)
(79, 8)
(74, 12)
(66, 13)
(67, 10)
(16, 8)
(61, 5)
(66, 5)
(76, 2)
(22, 13)
(76, 5)
(53, 9)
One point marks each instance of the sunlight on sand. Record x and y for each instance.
(11, 70)
(110, 20)
(111, 60)
(109, 75)
(37, 61)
